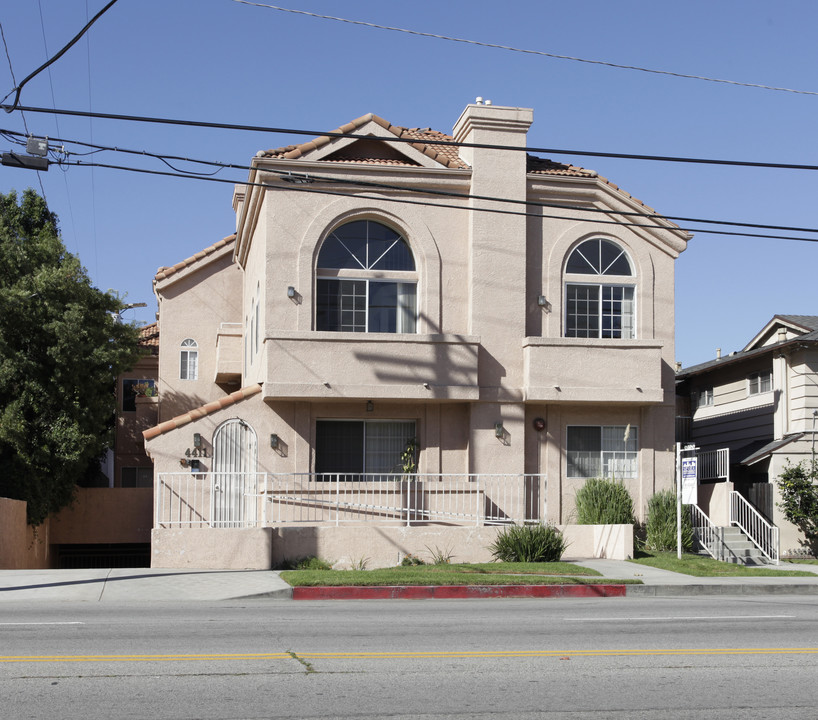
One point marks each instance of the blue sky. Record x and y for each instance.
(224, 61)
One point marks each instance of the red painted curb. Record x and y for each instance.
(422, 592)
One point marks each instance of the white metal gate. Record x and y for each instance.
(235, 453)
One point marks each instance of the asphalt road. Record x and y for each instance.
(717, 657)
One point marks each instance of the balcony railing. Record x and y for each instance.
(235, 500)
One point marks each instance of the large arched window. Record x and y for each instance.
(600, 292)
(366, 281)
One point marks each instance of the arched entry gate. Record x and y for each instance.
(235, 455)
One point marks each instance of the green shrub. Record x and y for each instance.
(306, 563)
(604, 502)
(660, 526)
(528, 543)
(411, 560)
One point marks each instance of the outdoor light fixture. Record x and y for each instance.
(274, 441)
(499, 430)
(541, 301)
(370, 406)
(539, 424)
(290, 292)
(197, 440)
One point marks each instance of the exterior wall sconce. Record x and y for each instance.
(291, 292)
(197, 440)
(539, 424)
(541, 301)
(274, 440)
(370, 406)
(499, 430)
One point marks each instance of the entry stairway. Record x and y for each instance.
(748, 540)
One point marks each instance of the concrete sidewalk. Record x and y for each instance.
(159, 585)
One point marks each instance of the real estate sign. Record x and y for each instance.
(689, 483)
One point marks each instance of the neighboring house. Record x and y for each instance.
(381, 351)
(761, 404)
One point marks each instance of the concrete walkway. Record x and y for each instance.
(157, 585)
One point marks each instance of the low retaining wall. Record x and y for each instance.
(355, 546)
(21, 546)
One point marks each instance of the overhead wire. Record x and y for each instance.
(405, 201)
(415, 140)
(541, 53)
(19, 88)
(312, 177)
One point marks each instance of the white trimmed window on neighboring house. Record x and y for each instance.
(703, 397)
(366, 281)
(595, 308)
(760, 382)
(189, 360)
(610, 451)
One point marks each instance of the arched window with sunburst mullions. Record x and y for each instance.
(366, 281)
(600, 291)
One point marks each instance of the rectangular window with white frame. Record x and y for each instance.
(760, 382)
(609, 451)
(348, 449)
(600, 311)
(703, 397)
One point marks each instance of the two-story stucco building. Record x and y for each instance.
(405, 320)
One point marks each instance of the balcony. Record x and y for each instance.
(592, 370)
(228, 353)
(333, 365)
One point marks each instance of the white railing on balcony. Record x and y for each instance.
(713, 465)
(706, 533)
(763, 535)
(233, 500)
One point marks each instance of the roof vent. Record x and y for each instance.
(718, 353)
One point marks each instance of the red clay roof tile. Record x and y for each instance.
(164, 272)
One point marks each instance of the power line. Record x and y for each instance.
(19, 88)
(404, 201)
(527, 52)
(310, 177)
(414, 140)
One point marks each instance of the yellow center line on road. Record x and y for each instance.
(647, 652)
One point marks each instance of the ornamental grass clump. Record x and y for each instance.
(528, 543)
(604, 502)
(660, 526)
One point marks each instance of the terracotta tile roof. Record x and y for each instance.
(200, 412)
(164, 272)
(149, 338)
(446, 155)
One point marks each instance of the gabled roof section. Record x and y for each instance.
(149, 338)
(793, 325)
(200, 412)
(199, 258)
(372, 152)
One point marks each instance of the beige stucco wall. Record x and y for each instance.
(104, 515)
(21, 546)
(361, 546)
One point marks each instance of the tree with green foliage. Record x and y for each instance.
(62, 345)
(798, 486)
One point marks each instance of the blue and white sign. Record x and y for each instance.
(690, 494)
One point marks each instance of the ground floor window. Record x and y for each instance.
(137, 477)
(353, 447)
(610, 451)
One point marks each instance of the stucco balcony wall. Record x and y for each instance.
(589, 370)
(327, 365)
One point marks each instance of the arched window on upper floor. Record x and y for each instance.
(189, 360)
(366, 281)
(600, 291)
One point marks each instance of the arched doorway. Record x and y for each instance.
(235, 455)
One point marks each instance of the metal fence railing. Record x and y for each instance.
(713, 465)
(707, 535)
(273, 499)
(761, 533)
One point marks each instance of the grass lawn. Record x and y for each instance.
(701, 566)
(556, 573)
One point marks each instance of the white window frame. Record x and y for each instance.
(703, 397)
(756, 382)
(617, 463)
(370, 453)
(189, 360)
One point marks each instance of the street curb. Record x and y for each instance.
(424, 592)
(732, 589)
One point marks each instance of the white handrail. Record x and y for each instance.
(708, 535)
(761, 533)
